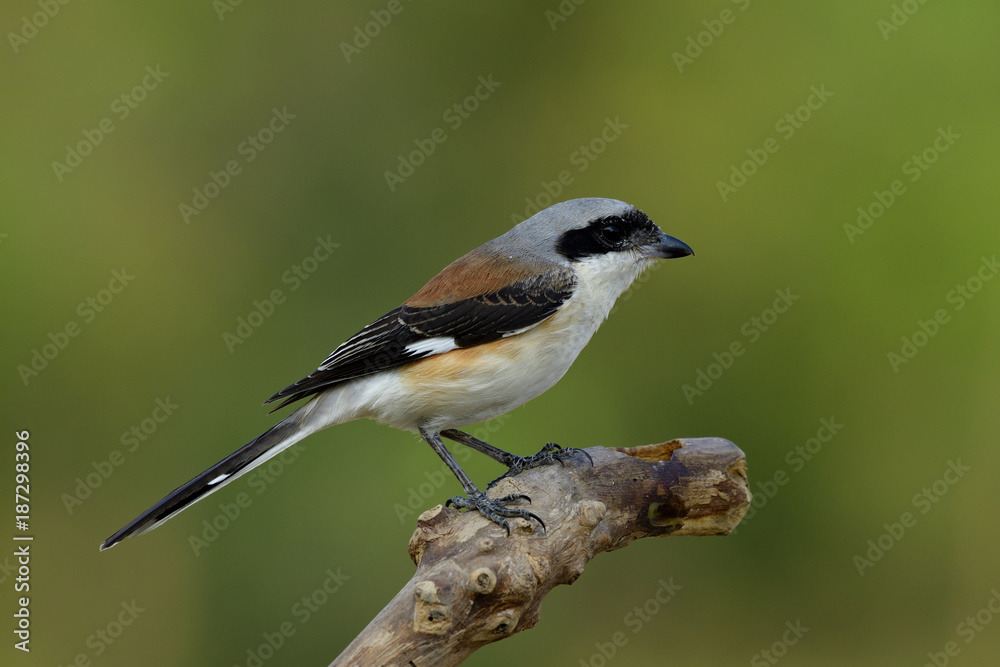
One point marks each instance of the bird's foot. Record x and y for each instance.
(550, 453)
(494, 508)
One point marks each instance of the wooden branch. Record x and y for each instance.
(474, 585)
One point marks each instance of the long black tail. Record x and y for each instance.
(281, 436)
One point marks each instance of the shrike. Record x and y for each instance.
(492, 331)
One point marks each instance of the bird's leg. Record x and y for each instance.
(493, 509)
(495, 453)
(550, 453)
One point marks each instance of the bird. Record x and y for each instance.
(496, 328)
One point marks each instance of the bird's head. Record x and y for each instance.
(606, 239)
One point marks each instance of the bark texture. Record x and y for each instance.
(475, 585)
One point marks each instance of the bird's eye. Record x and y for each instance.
(612, 234)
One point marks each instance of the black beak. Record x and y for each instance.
(667, 247)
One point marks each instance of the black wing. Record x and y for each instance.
(386, 342)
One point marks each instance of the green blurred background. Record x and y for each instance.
(683, 125)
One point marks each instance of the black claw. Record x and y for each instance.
(559, 453)
(513, 498)
(538, 519)
(548, 454)
(494, 508)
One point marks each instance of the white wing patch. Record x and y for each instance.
(217, 480)
(437, 345)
